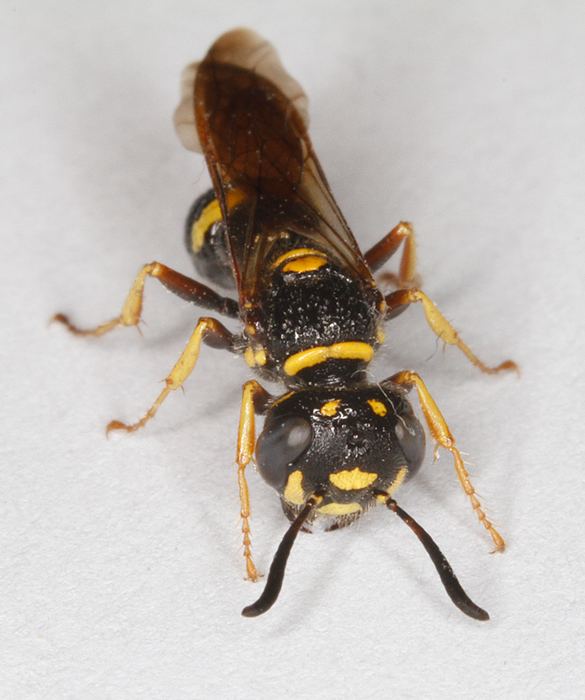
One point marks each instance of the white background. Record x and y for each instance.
(121, 575)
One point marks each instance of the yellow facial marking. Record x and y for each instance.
(298, 253)
(330, 408)
(340, 508)
(352, 480)
(402, 472)
(293, 492)
(210, 215)
(352, 350)
(378, 407)
(394, 486)
(305, 264)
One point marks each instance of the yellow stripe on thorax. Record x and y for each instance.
(296, 253)
(350, 350)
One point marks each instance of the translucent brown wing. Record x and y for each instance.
(251, 123)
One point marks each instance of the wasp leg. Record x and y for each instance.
(441, 433)
(184, 287)
(385, 249)
(255, 399)
(208, 330)
(396, 301)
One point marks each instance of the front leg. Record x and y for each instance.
(207, 330)
(397, 301)
(181, 285)
(444, 438)
(255, 400)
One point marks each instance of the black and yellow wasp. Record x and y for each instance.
(312, 316)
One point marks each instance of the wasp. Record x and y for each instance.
(312, 316)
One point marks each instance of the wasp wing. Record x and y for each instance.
(251, 120)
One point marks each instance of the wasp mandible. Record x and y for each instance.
(334, 443)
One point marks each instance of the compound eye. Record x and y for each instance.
(411, 438)
(281, 443)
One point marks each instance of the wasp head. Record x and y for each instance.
(347, 445)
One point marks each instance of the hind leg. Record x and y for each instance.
(184, 287)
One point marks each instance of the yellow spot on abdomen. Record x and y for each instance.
(330, 408)
(209, 216)
(340, 508)
(378, 407)
(293, 492)
(351, 350)
(352, 480)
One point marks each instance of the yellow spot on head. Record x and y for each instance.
(250, 329)
(378, 407)
(395, 485)
(330, 408)
(352, 480)
(340, 508)
(402, 472)
(306, 263)
(351, 350)
(293, 492)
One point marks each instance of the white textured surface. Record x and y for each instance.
(120, 571)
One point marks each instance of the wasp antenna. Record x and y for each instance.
(452, 585)
(278, 566)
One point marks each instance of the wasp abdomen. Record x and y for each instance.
(206, 241)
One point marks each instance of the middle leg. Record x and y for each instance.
(396, 301)
(207, 330)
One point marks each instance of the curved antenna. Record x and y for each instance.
(452, 585)
(278, 566)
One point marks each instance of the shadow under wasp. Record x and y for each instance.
(334, 443)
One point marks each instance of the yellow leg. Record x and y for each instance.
(441, 433)
(207, 329)
(252, 395)
(441, 327)
(179, 284)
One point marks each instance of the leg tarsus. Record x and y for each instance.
(254, 400)
(444, 438)
(440, 326)
(207, 330)
(184, 287)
